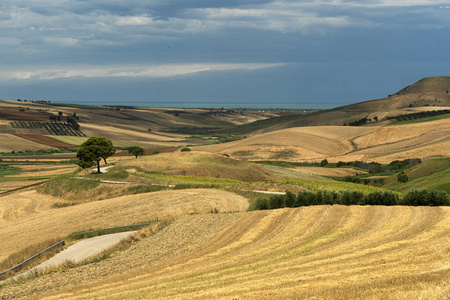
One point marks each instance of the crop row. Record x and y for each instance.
(52, 128)
(61, 129)
(26, 124)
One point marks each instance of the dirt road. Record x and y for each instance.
(80, 251)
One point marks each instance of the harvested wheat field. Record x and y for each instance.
(300, 143)
(317, 252)
(18, 233)
(125, 137)
(346, 143)
(40, 170)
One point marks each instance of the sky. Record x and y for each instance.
(233, 53)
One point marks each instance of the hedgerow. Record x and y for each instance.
(387, 198)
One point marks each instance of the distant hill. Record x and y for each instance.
(426, 94)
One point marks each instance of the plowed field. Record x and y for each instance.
(16, 115)
(321, 252)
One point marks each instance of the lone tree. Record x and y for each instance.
(94, 150)
(136, 150)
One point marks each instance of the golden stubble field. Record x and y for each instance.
(374, 143)
(27, 217)
(319, 252)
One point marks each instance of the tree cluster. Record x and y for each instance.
(419, 115)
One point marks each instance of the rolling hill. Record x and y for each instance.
(427, 93)
(335, 143)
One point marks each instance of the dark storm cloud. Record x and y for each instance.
(46, 40)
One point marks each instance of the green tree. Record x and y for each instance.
(93, 150)
(323, 163)
(136, 150)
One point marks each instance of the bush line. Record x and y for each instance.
(307, 198)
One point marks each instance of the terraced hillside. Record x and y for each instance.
(320, 252)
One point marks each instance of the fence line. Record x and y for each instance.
(63, 242)
(34, 256)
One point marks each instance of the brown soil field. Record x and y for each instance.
(16, 115)
(317, 252)
(19, 233)
(200, 164)
(9, 142)
(46, 140)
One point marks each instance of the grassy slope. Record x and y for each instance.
(200, 164)
(433, 174)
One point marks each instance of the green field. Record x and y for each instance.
(74, 140)
(433, 174)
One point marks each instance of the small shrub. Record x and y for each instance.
(402, 177)
(185, 149)
(260, 204)
(276, 201)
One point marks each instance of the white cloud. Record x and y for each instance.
(130, 71)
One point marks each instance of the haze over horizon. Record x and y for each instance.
(230, 53)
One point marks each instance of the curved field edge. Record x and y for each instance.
(332, 252)
(19, 232)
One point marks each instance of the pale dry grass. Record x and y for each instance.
(125, 137)
(319, 252)
(9, 142)
(11, 185)
(21, 232)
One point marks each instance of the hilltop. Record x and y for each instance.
(431, 93)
